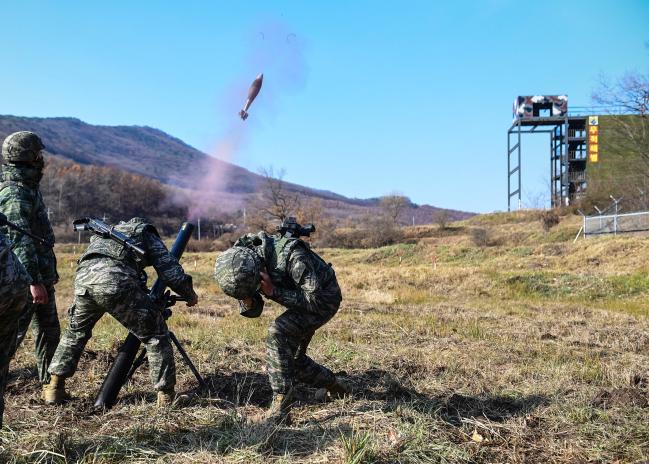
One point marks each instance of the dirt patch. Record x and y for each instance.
(621, 397)
(494, 407)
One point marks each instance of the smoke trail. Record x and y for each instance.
(277, 51)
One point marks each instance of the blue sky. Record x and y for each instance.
(361, 98)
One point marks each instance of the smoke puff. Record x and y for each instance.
(275, 50)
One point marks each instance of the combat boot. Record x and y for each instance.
(279, 410)
(338, 389)
(335, 390)
(54, 392)
(166, 398)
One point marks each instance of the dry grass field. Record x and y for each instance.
(491, 341)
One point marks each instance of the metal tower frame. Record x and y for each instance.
(567, 157)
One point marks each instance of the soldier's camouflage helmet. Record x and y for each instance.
(22, 147)
(237, 272)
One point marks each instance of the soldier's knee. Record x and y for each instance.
(74, 331)
(276, 330)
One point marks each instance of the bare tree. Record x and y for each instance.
(274, 201)
(628, 94)
(627, 135)
(393, 205)
(441, 218)
(627, 99)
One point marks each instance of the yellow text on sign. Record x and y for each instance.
(593, 139)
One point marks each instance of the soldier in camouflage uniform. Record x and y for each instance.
(14, 290)
(22, 203)
(108, 280)
(287, 271)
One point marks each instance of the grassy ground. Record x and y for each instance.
(492, 341)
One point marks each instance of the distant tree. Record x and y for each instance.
(273, 202)
(72, 190)
(393, 205)
(628, 95)
(441, 218)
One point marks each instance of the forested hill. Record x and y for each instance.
(153, 154)
(139, 149)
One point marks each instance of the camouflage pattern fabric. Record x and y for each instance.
(307, 286)
(22, 147)
(237, 272)
(10, 310)
(14, 289)
(22, 203)
(127, 264)
(107, 280)
(46, 330)
(124, 299)
(527, 106)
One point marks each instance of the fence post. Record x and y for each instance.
(616, 201)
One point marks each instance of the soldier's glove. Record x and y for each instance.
(193, 299)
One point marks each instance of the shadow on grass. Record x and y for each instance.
(234, 388)
(253, 388)
(227, 436)
(23, 380)
(381, 385)
(23, 373)
(239, 388)
(231, 434)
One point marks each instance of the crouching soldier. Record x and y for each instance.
(14, 289)
(287, 271)
(108, 280)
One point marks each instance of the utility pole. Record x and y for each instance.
(199, 229)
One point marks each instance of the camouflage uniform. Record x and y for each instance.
(108, 280)
(307, 287)
(14, 289)
(22, 203)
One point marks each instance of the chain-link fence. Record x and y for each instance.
(616, 223)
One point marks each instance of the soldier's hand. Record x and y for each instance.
(267, 286)
(39, 294)
(193, 300)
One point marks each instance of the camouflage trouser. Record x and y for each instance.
(133, 308)
(10, 311)
(288, 340)
(46, 329)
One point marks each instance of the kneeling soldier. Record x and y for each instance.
(108, 280)
(288, 272)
